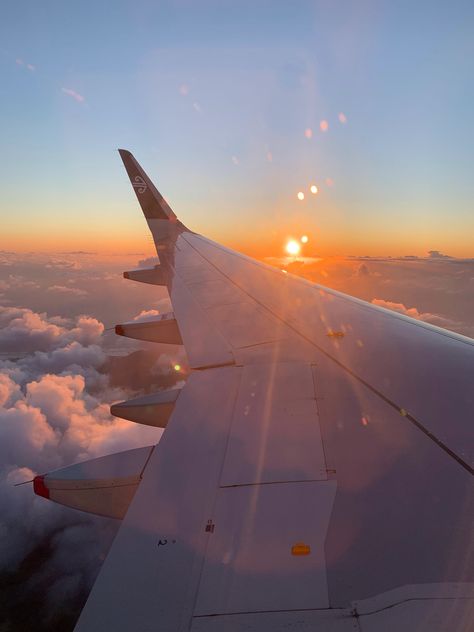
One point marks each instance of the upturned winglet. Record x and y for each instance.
(153, 204)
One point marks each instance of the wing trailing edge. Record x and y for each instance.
(104, 486)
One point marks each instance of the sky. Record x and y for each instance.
(232, 109)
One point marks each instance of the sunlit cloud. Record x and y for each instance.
(324, 125)
(75, 95)
(413, 312)
(146, 315)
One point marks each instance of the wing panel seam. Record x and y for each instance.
(401, 410)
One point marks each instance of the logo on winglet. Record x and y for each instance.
(139, 184)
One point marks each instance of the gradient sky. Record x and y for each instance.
(214, 98)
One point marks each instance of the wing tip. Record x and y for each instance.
(39, 487)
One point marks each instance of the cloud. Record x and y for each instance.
(148, 262)
(9, 390)
(432, 254)
(75, 95)
(62, 289)
(436, 254)
(54, 411)
(433, 319)
(20, 62)
(24, 434)
(79, 252)
(17, 281)
(23, 330)
(146, 315)
(62, 263)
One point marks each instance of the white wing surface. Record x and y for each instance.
(315, 472)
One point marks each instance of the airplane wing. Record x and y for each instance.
(315, 472)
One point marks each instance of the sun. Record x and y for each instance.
(292, 247)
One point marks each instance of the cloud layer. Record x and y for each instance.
(54, 411)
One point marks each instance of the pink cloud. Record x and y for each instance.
(75, 95)
(22, 330)
(54, 410)
(20, 62)
(62, 289)
(427, 317)
(146, 315)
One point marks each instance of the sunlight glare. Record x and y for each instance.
(292, 247)
(314, 189)
(300, 195)
(304, 239)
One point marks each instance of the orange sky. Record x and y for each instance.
(327, 237)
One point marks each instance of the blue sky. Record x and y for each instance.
(203, 92)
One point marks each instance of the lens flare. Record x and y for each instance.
(292, 247)
(300, 195)
(304, 239)
(177, 367)
(313, 189)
